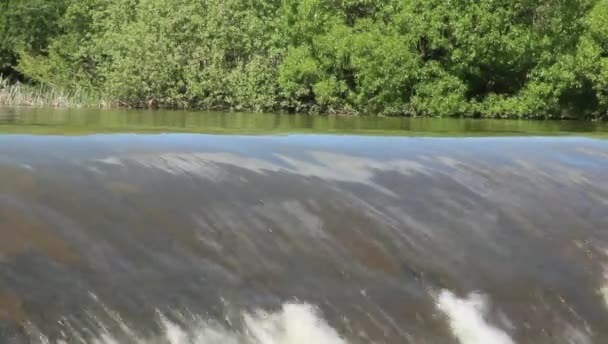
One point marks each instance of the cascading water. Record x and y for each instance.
(192, 239)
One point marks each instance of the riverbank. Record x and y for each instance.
(16, 94)
(36, 96)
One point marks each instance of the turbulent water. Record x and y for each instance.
(208, 239)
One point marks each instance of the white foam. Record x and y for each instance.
(467, 319)
(292, 324)
(603, 288)
(573, 335)
(604, 293)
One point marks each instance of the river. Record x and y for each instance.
(210, 228)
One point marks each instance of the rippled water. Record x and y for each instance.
(191, 238)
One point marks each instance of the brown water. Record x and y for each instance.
(195, 238)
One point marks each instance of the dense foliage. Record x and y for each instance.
(493, 58)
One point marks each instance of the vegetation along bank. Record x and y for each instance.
(482, 58)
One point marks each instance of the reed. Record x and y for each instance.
(19, 94)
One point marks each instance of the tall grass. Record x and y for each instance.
(19, 94)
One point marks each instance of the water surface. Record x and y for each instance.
(194, 238)
(91, 121)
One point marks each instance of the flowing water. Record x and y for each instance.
(183, 228)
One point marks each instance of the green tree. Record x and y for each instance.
(492, 58)
(26, 25)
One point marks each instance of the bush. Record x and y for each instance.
(492, 58)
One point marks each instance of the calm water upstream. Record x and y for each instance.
(182, 228)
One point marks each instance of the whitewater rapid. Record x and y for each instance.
(467, 319)
(293, 323)
(262, 240)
